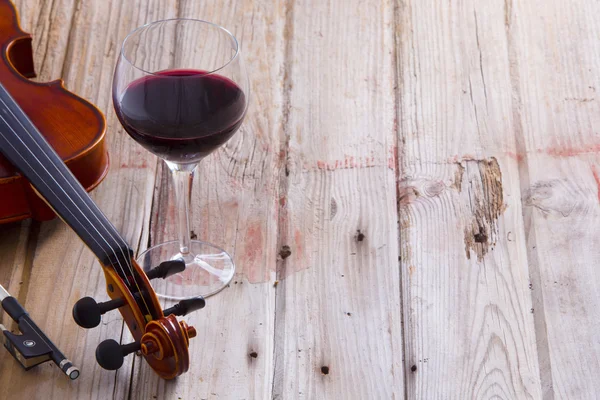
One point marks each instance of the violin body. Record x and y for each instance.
(74, 127)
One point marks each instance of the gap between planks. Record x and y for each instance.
(279, 301)
(522, 158)
(397, 64)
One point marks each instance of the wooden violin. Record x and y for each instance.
(42, 126)
(74, 127)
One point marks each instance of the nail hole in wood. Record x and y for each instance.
(285, 252)
(325, 370)
(360, 236)
(413, 368)
(480, 237)
(254, 354)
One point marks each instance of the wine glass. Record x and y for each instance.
(180, 90)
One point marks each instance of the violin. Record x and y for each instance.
(74, 127)
(161, 338)
(36, 122)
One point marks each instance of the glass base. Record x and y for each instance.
(209, 269)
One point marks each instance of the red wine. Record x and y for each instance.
(181, 115)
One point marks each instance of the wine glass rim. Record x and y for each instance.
(139, 28)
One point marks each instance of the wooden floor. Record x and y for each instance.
(433, 166)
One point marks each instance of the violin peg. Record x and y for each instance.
(87, 312)
(166, 269)
(110, 354)
(186, 306)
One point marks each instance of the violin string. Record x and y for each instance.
(127, 260)
(95, 214)
(99, 221)
(23, 158)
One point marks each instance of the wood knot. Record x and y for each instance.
(360, 236)
(480, 237)
(434, 188)
(285, 252)
(407, 195)
(558, 198)
(484, 200)
(333, 207)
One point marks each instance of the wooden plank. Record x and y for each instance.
(554, 80)
(234, 205)
(15, 237)
(561, 214)
(338, 321)
(489, 132)
(469, 329)
(19, 270)
(80, 43)
(16, 240)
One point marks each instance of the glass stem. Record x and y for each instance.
(183, 176)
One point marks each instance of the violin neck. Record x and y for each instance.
(24, 146)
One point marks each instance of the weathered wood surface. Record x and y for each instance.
(469, 331)
(233, 205)
(338, 300)
(432, 167)
(555, 82)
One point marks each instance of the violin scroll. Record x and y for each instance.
(161, 338)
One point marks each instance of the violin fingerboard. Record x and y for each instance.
(25, 147)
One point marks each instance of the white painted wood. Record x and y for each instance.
(78, 43)
(460, 137)
(338, 326)
(469, 330)
(555, 78)
(234, 205)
